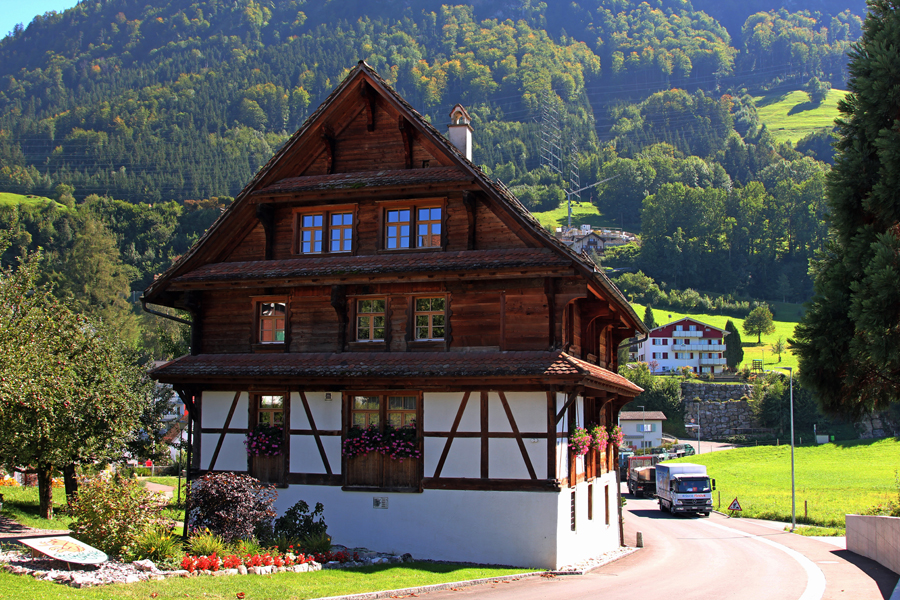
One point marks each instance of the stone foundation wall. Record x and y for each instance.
(714, 392)
(721, 412)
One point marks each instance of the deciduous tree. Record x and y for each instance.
(758, 322)
(67, 386)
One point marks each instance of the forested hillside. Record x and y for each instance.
(132, 113)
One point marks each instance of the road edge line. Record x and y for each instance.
(815, 582)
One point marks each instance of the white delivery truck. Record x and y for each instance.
(684, 488)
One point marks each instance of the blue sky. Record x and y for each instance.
(23, 11)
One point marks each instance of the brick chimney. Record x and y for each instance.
(460, 130)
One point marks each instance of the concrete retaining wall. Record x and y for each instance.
(877, 538)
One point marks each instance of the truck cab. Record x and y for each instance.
(684, 488)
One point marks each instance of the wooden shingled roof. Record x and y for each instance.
(272, 179)
(357, 366)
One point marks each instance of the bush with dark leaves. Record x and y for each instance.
(231, 506)
(298, 523)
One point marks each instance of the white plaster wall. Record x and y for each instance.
(326, 413)
(529, 409)
(591, 536)
(439, 410)
(215, 407)
(505, 460)
(512, 528)
(497, 419)
(232, 456)
(463, 460)
(877, 538)
(305, 457)
(213, 414)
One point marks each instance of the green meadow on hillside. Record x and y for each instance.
(792, 116)
(832, 479)
(582, 213)
(790, 313)
(7, 199)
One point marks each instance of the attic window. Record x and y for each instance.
(414, 226)
(324, 230)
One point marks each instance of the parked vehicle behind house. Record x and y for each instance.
(642, 475)
(684, 488)
(624, 455)
(642, 482)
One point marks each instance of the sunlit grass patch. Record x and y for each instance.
(832, 480)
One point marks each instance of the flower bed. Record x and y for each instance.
(21, 563)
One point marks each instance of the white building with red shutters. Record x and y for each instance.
(684, 343)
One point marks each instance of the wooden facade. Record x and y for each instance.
(371, 274)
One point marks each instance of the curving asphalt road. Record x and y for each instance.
(714, 558)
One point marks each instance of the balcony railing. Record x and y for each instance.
(712, 361)
(699, 347)
(681, 334)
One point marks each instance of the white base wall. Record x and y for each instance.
(524, 529)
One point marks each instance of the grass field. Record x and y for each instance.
(7, 199)
(791, 116)
(832, 479)
(261, 587)
(582, 213)
(784, 328)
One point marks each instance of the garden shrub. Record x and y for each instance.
(230, 505)
(159, 545)
(206, 543)
(110, 513)
(316, 543)
(298, 523)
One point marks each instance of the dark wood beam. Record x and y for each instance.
(329, 141)
(215, 456)
(315, 432)
(265, 213)
(518, 436)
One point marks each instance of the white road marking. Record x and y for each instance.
(815, 582)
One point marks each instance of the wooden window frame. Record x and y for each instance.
(256, 344)
(430, 313)
(253, 420)
(355, 320)
(386, 462)
(413, 206)
(327, 212)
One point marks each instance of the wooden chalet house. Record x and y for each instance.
(371, 275)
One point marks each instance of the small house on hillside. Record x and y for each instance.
(684, 343)
(642, 429)
(370, 283)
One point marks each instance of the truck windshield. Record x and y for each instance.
(691, 486)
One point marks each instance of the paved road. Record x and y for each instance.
(687, 558)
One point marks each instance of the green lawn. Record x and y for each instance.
(752, 350)
(791, 115)
(832, 479)
(282, 586)
(582, 213)
(21, 504)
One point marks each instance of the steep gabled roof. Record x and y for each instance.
(515, 211)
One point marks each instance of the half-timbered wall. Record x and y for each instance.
(232, 455)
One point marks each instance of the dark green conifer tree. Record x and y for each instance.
(848, 341)
(649, 321)
(734, 351)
